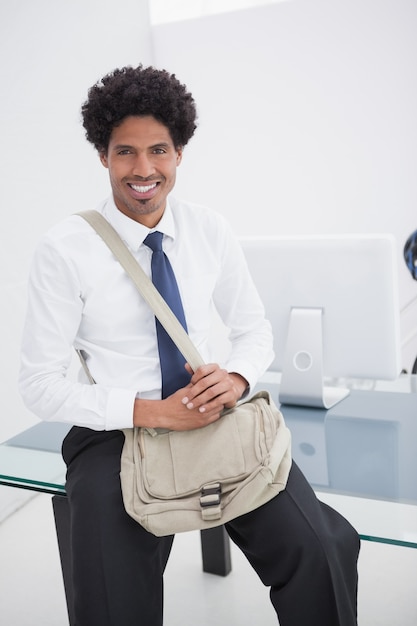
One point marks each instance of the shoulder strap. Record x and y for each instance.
(145, 286)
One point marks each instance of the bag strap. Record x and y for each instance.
(145, 286)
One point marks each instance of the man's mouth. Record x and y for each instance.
(143, 188)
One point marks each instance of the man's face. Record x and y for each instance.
(142, 162)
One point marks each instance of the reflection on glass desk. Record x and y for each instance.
(360, 456)
(32, 460)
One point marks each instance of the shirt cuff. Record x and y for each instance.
(249, 373)
(120, 406)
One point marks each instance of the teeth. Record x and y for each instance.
(143, 188)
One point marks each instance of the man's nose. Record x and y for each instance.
(143, 166)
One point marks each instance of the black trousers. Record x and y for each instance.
(303, 550)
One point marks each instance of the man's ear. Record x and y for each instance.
(179, 155)
(103, 158)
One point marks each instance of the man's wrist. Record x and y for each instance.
(147, 413)
(240, 383)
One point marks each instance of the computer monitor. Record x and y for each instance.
(333, 304)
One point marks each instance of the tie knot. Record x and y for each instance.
(154, 241)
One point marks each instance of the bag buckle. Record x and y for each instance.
(210, 501)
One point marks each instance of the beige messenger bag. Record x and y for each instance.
(178, 481)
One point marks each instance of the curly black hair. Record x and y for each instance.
(138, 91)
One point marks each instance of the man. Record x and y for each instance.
(139, 120)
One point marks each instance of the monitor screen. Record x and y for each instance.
(333, 304)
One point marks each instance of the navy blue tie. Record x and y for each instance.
(174, 375)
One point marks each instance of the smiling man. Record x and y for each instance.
(142, 162)
(139, 120)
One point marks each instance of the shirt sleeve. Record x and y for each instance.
(241, 310)
(53, 316)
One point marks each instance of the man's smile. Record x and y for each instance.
(144, 191)
(142, 188)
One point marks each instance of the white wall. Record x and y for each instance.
(51, 52)
(307, 123)
(307, 119)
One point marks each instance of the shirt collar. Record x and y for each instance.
(133, 233)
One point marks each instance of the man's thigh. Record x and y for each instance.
(117, 565)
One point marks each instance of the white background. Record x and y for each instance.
(306, 124)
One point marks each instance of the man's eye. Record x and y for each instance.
(125, 151)
(159, 151)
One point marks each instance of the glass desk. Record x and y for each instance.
(360, 456)
(32, 460)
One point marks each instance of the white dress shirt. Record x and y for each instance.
(80, 297)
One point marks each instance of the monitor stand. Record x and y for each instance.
(302, 374)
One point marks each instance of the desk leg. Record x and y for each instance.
(62, 525)
(215, 547)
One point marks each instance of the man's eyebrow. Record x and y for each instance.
(122, 146)
(159, 144)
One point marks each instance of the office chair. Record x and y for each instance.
(410, 254)
(410, 258)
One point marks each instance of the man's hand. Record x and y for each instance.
(200, 403)
(213, 387)
(173, 414)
